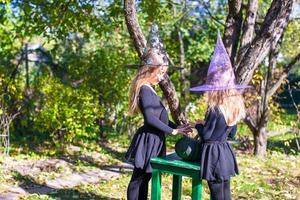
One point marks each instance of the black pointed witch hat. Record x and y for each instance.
(155, 45)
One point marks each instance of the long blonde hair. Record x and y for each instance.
(146, 75)
(230, 102)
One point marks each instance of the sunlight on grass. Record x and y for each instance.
(275, 177)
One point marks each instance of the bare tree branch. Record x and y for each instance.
(262, 105)
(185, 73)
(133, 26)
(273, 55)
(297, 139)
(249, 121)
(284, 75)
(233, 27)
(248, 27)
(271, 31)
(211, 15)
(14, 72)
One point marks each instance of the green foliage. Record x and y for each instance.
(85, 83)
(200, 48)
(84, 91)
(285, 143)
(64, 111)
(196, 110)
(290, 46)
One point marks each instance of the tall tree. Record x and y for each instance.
(139, 42)
(254, 48)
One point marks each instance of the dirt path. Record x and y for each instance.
(57, 174)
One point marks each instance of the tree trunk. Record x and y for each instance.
(139, 44)
(172, 99)
(272, 28)
(260, 142)
(185, 72)
(233, 27)
(248, 27)
(133, 26)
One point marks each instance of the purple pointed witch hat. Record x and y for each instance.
(220, 75)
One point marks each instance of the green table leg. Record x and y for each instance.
(176, 191)
(197, 188)
(156, 185)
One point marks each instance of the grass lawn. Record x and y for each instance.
(275, 177)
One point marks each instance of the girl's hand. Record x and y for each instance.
(185, 126)
(183, 130)
(199, 121)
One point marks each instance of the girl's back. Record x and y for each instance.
(215, 127)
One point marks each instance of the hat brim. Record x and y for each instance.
(136, 66)
(204, 88)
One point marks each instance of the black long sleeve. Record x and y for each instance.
(232, 133)
(172, 124)
(206, 130)
(147, 107)
(215, 127)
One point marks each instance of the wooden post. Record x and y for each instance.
(156, 185)
(177, 185)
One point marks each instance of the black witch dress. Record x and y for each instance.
(218, 160)
(149, 140)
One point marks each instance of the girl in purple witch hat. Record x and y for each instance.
(225, 109)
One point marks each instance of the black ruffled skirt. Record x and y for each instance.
(144, 146)
(218, 161)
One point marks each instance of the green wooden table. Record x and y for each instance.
(172, 164)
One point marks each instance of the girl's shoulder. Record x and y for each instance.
(215, 113)
(212, 113)
(213, 110)
(148, 87)
(146, 90)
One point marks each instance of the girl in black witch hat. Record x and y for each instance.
(149, 141)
